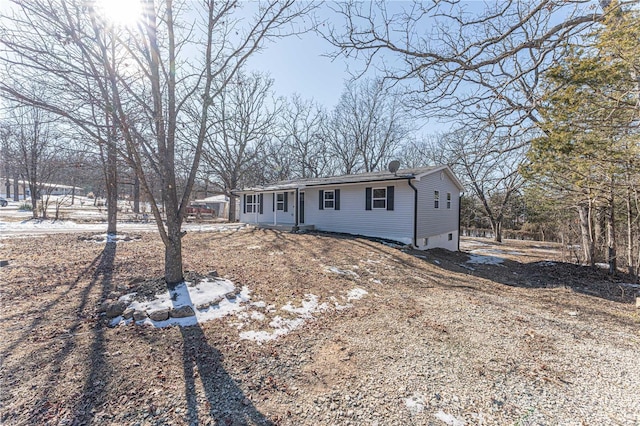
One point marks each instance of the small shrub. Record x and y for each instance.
(25, 207)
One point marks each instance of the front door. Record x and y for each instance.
(301, 213)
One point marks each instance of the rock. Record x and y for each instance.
(116, 309)
(159, 315)
(128, 313)
(182, 312)
(139, 315)
(203, 307)
(104, 306)
(230, 295)
(213, 274)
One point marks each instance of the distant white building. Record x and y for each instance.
(219, 203)
(418, 206)
(54, 189)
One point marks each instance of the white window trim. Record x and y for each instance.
(280, 203)
(374, 199)
(252, 206)
(436, 199)
(332, 200)
(448, 200)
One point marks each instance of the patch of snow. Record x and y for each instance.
(202, 294)
(253, 247)
(339, 271)
(259, 304)
(547, 263)
(356, 294)
(111, 238)
(602, 265)
(449, 419)
(415, 403)
(259, 316)
(497, 251)
(477, 259)
(282, 326)
(308, 307)
(375, 281)
(436, 261)
(39, 224)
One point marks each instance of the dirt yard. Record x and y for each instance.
(388, 337)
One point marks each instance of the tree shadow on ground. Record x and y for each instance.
(226, 404)
(538, 275)
(43, 410)
(96, 383)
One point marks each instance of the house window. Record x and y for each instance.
(329, 199)
(280, 201)
(426, 242)
(379, 198)
(252, 203)
(436, 199)
(448, 200)
(450, 236)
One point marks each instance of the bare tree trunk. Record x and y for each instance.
(112, 187)
(16, 187)
(585, 232)
(232, 208)
(630, 266)
(611, 235)
(73, 190)
(136, 194)
(33, 189)
(496, 225)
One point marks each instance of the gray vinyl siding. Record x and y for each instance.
(353, 218)
(434, 222)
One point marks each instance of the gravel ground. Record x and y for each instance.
(435, 339)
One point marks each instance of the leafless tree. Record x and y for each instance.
(488, 164)
(34, 137)
(301, 129)
(241, 124)
(141, 80)
(467, 61)
(367, 127)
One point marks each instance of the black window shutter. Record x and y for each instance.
(336, 200)
(273, 201)
(244, 203)
(321, 206)
(390, 197)
(367, 196)
(286, 201)
(260, 200)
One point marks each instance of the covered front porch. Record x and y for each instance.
(279, 208)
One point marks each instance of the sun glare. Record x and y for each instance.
(120, 12)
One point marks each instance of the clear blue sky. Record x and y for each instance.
(297, 65)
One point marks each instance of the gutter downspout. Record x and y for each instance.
(459, 221)
(296, 204)
(415, 213)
